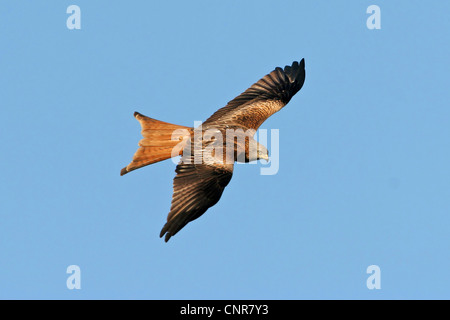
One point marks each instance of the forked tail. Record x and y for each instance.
(160, 139)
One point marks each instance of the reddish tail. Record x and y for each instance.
(157, 144)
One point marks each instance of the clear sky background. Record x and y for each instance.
(364, 174)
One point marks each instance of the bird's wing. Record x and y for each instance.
(196, 187)
(267, 96)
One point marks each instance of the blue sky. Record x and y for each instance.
(364, 150)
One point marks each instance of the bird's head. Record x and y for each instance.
(262, 153)
(255, 151)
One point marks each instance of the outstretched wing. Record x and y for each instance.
(196, 188)
(267, 96)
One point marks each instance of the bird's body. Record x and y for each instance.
(208, 152)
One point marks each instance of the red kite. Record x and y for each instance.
(199, 183)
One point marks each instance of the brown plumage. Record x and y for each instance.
(199, 184)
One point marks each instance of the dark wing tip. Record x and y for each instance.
(297, 64)
(296, 75)
(164, 231)
(295, 70)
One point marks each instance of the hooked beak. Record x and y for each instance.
(266, 157)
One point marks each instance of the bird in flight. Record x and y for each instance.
(209, 151)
